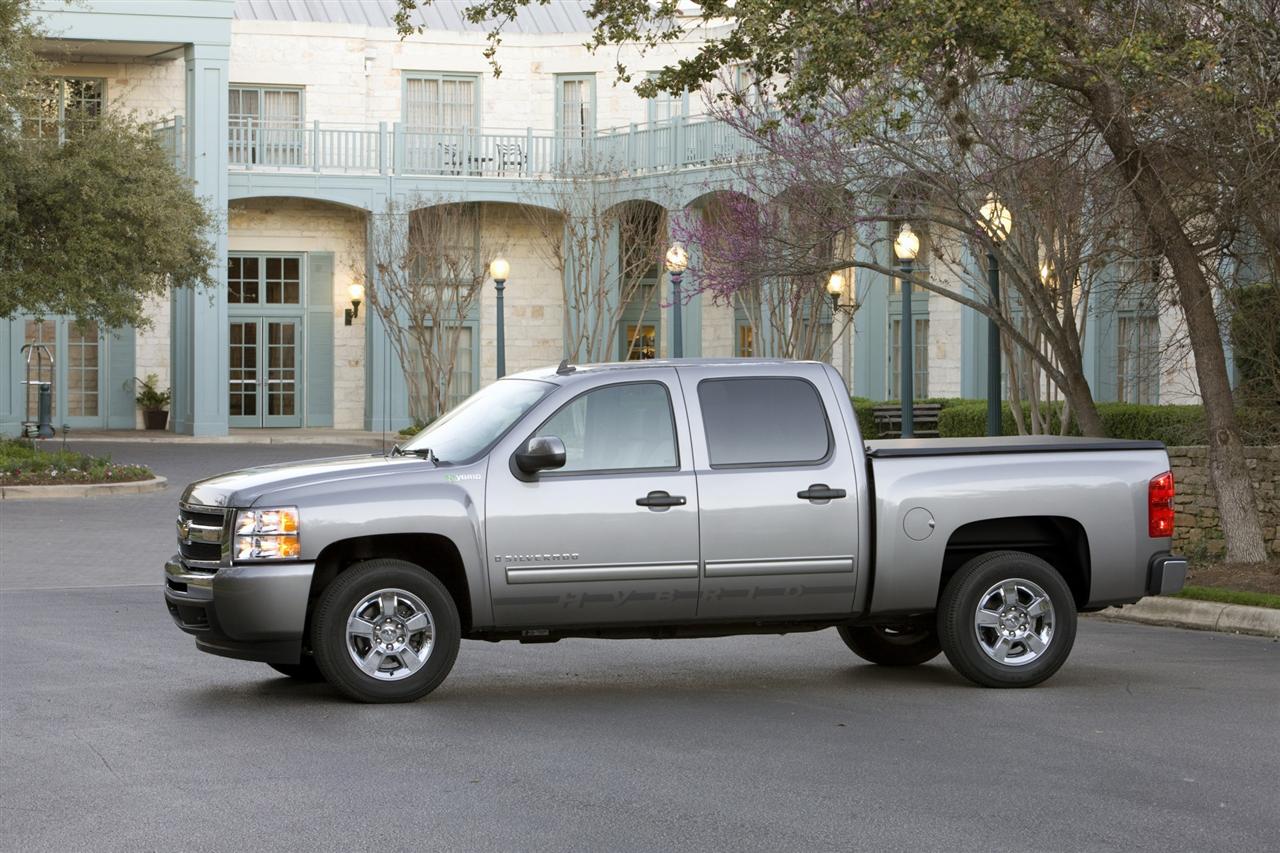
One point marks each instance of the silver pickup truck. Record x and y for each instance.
(689, 498)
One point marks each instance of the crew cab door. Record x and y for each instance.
(611, 537)
(776, 490)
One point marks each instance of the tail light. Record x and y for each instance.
(1160, 506)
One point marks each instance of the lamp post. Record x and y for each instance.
(499, 269)
(906, 247)
(677, 263)
(996, 221)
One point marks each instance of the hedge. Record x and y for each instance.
(1174, 425)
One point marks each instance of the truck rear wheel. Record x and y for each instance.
(1007, 619)
(907, 644)
(385, 631)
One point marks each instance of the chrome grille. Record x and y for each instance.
(201, 532)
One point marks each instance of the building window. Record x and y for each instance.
(666, 106)
(442, 103)
(265, 125)
(920, 357)
(745, 344)
(1138, 359)
(264, 280)
(575, 105)
(62, 103)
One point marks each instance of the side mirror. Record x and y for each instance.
(540, 453)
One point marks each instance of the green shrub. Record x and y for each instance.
(969, 419)
(862, 410)
(1255, 338)
(1173, 425)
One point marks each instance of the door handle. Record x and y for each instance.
(660, 500)
(820, 492)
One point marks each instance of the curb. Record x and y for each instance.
(1199, 616)
(374, 441)
(82, 490)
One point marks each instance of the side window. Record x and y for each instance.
(765, 421)
(617, 427)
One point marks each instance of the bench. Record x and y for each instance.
(924, 420)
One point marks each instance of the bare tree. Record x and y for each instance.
(430, 260)
(606, 252)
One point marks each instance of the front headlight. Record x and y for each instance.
(266, 534)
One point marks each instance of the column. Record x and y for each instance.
(198, 336)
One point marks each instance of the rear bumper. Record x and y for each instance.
(249, 612)
(1166, 574)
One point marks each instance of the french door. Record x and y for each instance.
(265, 382)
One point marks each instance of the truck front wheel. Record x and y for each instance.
(385, 631)
(1007, 619)
(908, 644)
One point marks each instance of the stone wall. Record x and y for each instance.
(1197, 527)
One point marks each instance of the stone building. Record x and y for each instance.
(301, 121)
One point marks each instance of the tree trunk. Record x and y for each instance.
(1082, 405)
(1228, 471)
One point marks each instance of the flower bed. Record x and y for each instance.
(22, 464)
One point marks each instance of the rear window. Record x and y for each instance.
(764, 421)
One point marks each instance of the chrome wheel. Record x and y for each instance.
(1014, 622)
(390, 634)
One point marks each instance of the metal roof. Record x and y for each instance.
(558, 16)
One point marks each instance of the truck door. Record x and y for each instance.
(611, 537)
(776, 491)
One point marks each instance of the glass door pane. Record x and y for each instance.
(244, 373)
(82, 370)
(283, 407)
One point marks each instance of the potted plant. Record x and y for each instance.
(153, 402)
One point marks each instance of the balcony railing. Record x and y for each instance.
(169, 133)
(657, 147)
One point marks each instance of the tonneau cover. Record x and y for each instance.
(899, 447)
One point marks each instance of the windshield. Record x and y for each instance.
(463, 433)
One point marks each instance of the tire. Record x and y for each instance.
(1007, 619)
(304, 670)
(907, 644)
(407, 636)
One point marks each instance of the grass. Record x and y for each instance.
(23, 464)
(1231, 596)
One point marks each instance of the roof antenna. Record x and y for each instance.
(565, 368)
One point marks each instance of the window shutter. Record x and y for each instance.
(121, 389)
(319, 357)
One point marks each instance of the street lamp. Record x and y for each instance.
(499, 269)
(677, 263)
(906, 247)
(996, 220)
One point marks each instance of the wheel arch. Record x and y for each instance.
(1060, 541)
(434, 553)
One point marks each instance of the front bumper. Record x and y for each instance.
(256, 612)
(1166, 574)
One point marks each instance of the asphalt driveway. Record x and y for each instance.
(116, 734)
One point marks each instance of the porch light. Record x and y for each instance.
(356, 292)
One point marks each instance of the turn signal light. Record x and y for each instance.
(1160, 506)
